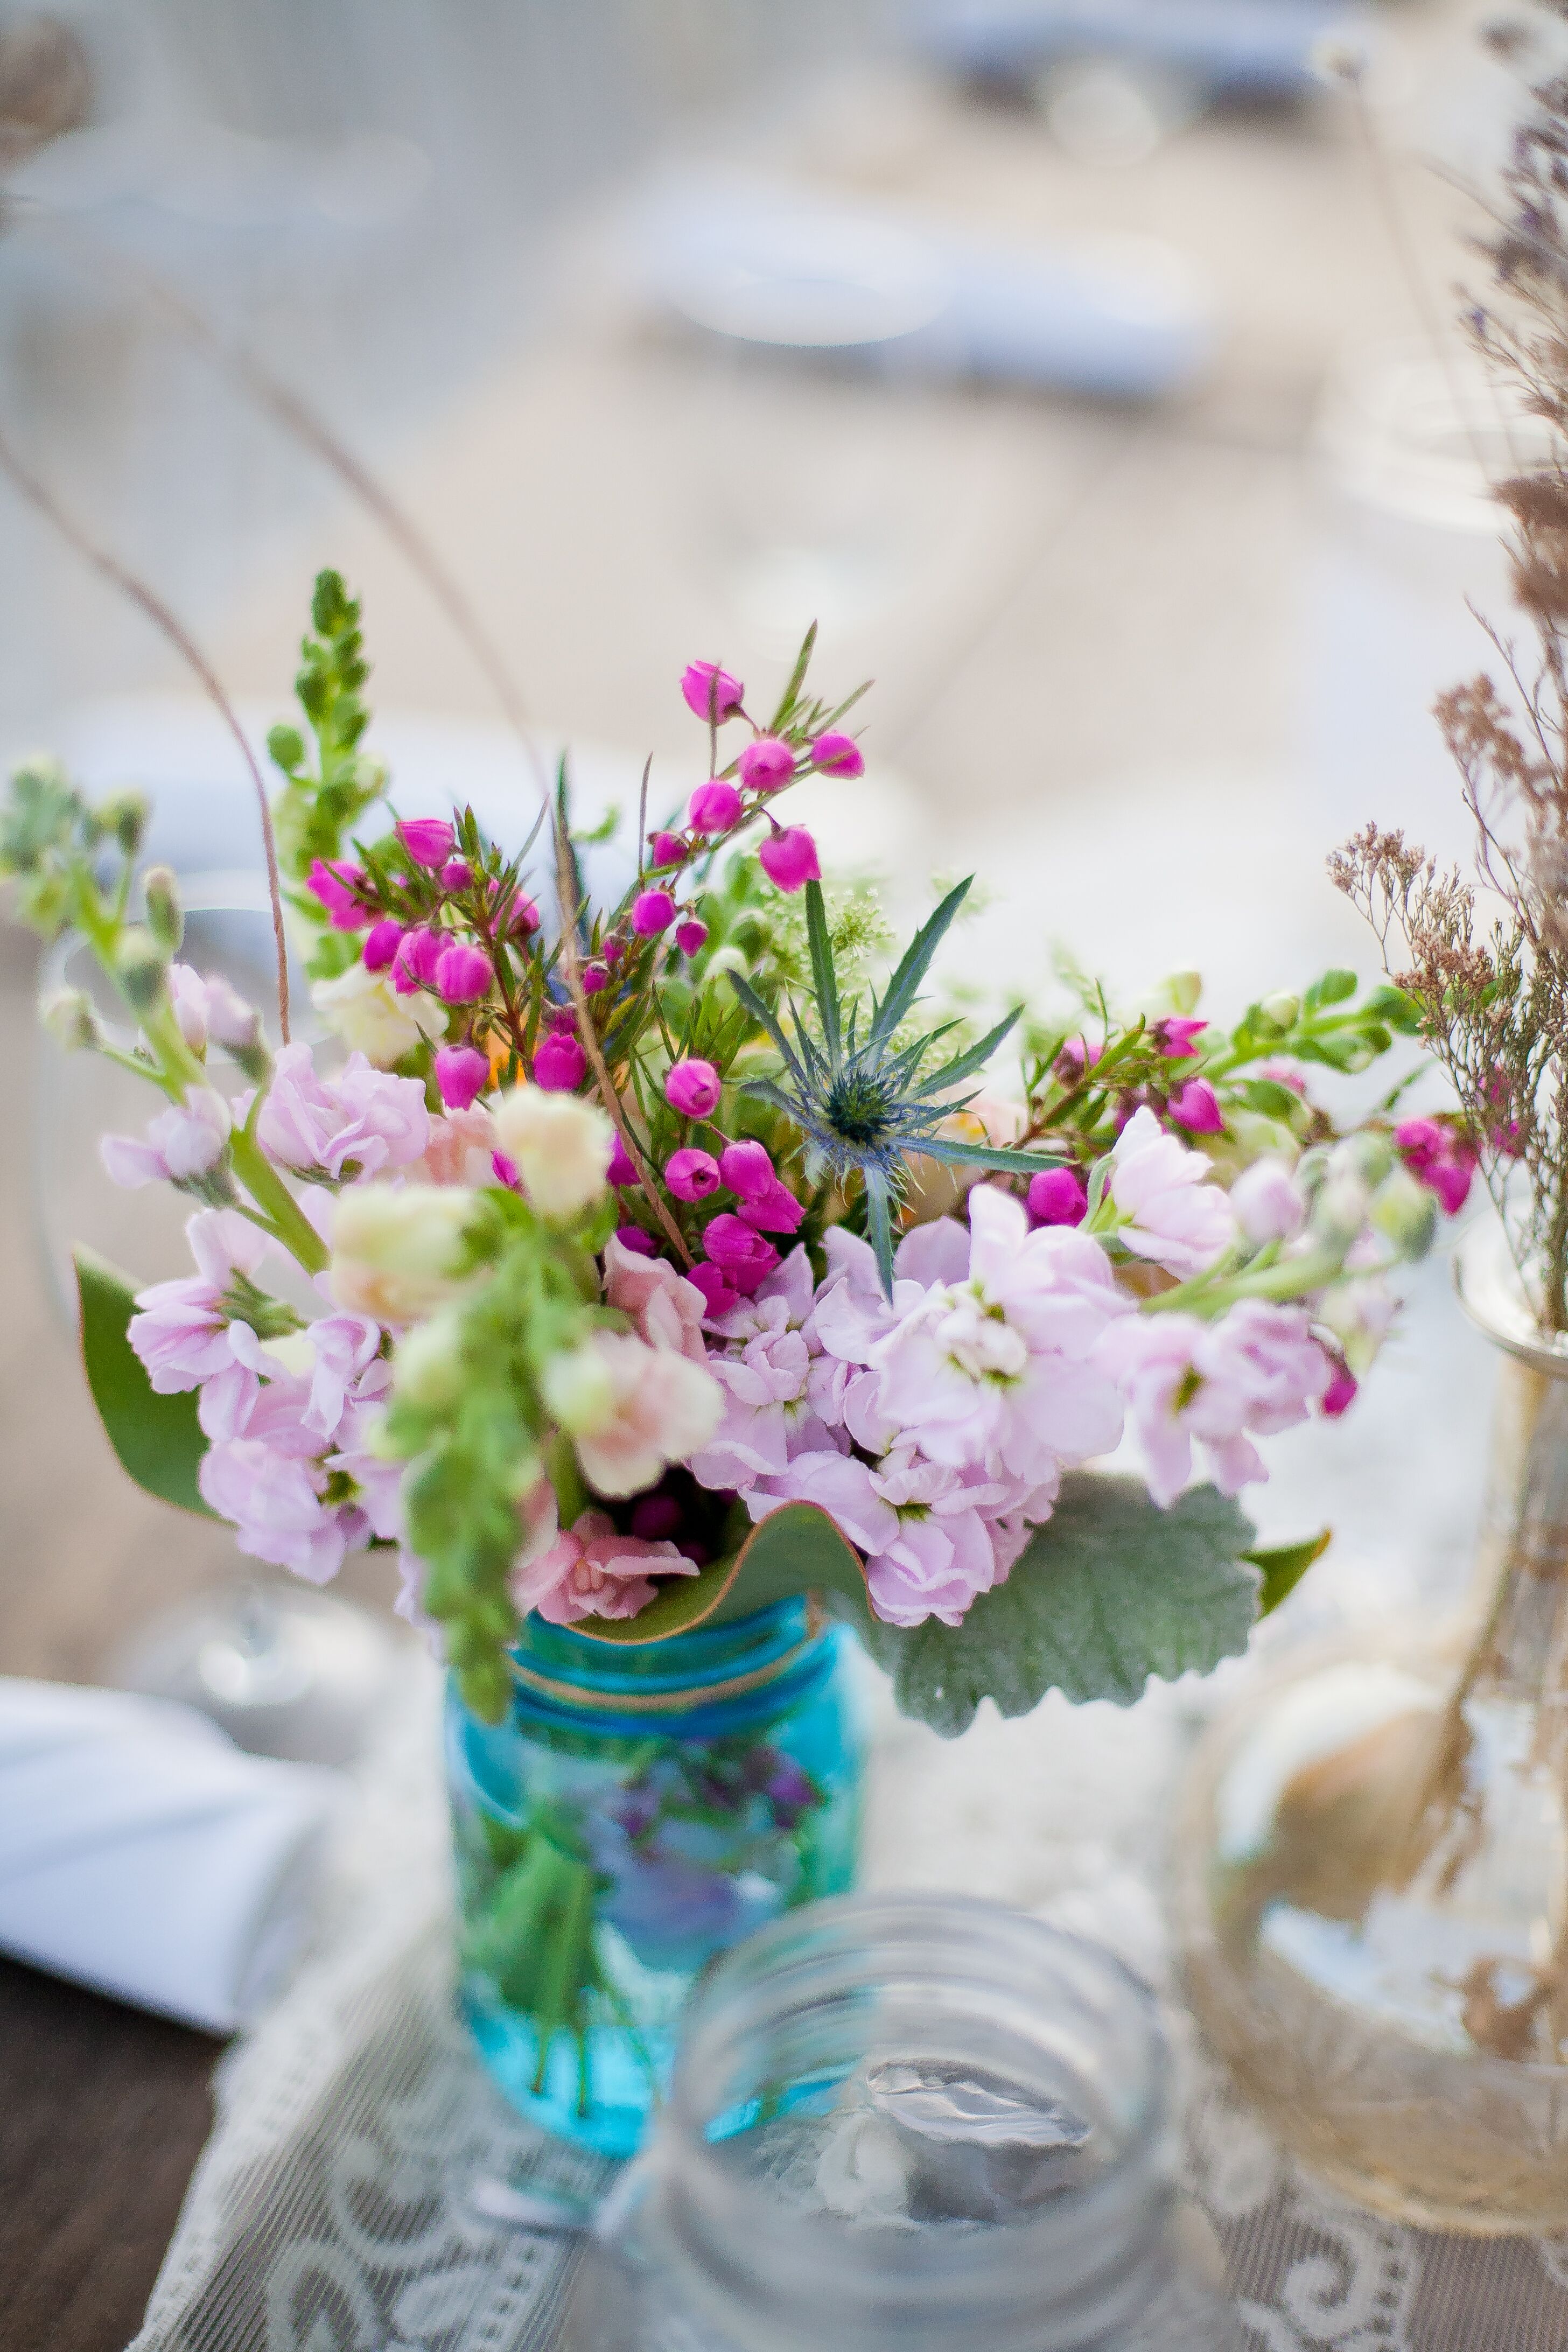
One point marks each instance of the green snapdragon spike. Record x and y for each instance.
(868, 1102)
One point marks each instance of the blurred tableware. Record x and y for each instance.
(141, 1854)
(910, 2121)
(1241, 48)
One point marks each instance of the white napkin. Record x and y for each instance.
(143, 1853)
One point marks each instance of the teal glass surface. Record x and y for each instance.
(640, 1810)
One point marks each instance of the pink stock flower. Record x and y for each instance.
(188, 996)
(462, 973)
(463, 1073)
(788, 858)
(766, 764)
(776, 1209)
(838, 754)
(460, 1148)
(1175, 1215)
(590, 1570)
(362, 1121)
(1258, 1368)
(653, 911)
(1266, 1203)
(693, 1088)
(180, 1331)
(560, 1064)
(666, 1309)
(183, 1142)
(427, 840)
(1056, 1197)
(743, 1256)
(274, 1503)
(382, 943)
(1197, 1107)
(944, 1553)
(457, 873)
(690, 1175)
(331, 885)
(766, 1407)
(415, 959)
(710, 692)
(714, 807)
(666, 850)
(691, 938)
(665, 1407)
(344, 1348)
(748, 1170)
(1177, 1037)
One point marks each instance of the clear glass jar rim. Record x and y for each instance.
(1493, 1294)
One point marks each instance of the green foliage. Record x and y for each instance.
(1282, 1566)
(320, 801)
(1109, 1592)
(158, 1438)
(795, 1550)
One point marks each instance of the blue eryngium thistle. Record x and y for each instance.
(863, 1103)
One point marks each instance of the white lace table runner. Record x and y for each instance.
(331, 2212)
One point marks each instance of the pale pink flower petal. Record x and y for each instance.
(665, 1309)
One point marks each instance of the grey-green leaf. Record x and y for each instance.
(1109, 1591)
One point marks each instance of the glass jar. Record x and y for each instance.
(910, 2122)
(642, 1808)
(1372, 1882)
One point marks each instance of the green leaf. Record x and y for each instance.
(824, 977)
(1333, 987)
(1109, 1591)
(795, 1550)
(1266, 1094)
(1284, 1565)
(963, 1065)
(1002, 1157)
(158, 1438)
(904, 986)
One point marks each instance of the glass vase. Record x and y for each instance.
(1372, 1882)
(641, 1808)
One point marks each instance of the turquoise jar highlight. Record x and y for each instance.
(641, 1808)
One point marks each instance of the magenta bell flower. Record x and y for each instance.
(462, 973)
(766, 764)
(788, 858)
(560, 1065)
(523, 918)
(382, 944)
(691, 1174)
(1056, 1197)
(652, 911)
(748, 1170)
(743, 1256)
(837, 755)
(693, 1088)
(710, 692)
(1339, 1394)
(1178, 1036)
(718, 1296)
(427, 840)
(457, 873)
(462, 1072)
(1197, 1107)
(632, 1237)
(413, 965)
(620, 1171)
(715, 807)
(330, 885)
(595, 976)
(666, 850)
(691, 937)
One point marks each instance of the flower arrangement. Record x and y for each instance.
(672, 1256)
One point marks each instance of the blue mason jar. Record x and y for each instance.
(641, 1808)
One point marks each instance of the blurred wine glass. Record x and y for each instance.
(286, 1671)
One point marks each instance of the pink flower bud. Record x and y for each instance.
(621, 1170)
(595, 976)
(560, 1065)
(1420, 1141)
(788, 858)
(381, 945)
(457, 873)
(427, 840)
(652, 911)
(747, 1169)
(1056, 1197)
(632, 1237)
(666, 850)
(611, 948)
(330, 885)
(714, 807)
(766, 764)
(1177, 1037)
(1339, 1394)
(710, 691)
(1450, 1180)
(693, 1089)
(462, 1072)
(691, 1174)
(691, 938)
(718, 1296)
(413, 965)
(839, 755)
(743, 1256)
(462, 973)
(1197, 1107)
(505, 1172)
(523, 918)
(655, 1517)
